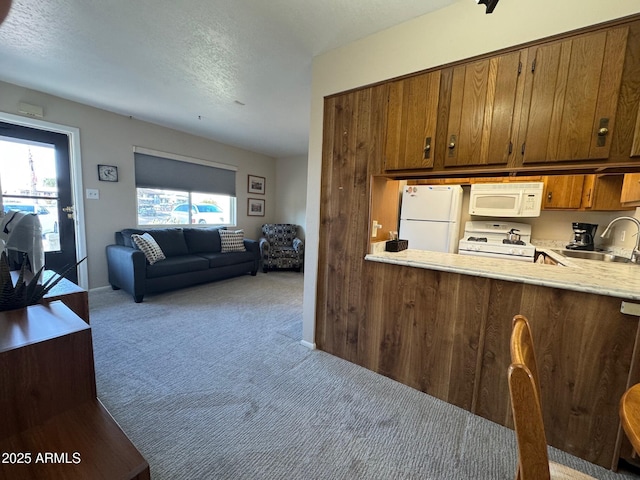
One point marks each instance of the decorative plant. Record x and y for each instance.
(25, 292)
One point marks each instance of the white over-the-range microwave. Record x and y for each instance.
(506, 199)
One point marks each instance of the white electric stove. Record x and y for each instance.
(490, 238)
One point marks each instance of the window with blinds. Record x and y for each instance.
(172, 189)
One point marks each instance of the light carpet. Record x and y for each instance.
(211, 382)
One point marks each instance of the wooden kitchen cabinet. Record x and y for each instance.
(543, 106)
(583, 192)
(571, 96)
(484, 99)
(411, 122)
(563, 192)
(630, 195)
(603, 192)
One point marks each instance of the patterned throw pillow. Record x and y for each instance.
(232, 240)
(149, 247)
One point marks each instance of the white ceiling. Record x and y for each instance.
(186, 64)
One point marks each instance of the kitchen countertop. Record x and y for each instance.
(602, 278)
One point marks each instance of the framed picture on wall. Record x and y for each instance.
(256, 185)
(255, 207)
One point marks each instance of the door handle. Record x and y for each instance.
(69, 210)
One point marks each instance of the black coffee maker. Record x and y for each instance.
(583, 234)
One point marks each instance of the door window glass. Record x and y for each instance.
(28, 179)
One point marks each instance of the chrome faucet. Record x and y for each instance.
(635, 254)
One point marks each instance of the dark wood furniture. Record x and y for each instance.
(54, 427)
(73, 296)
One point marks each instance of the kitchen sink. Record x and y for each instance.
(592, 255)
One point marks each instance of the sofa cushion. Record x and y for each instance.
(171, 241)
(232, 241)
(226, 259)
(280, 234)
(284, 252)
(149, 247)
(126, 236)
(201, 240)
(177, 265)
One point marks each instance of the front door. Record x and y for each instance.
(35, 177)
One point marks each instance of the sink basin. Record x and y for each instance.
(589, 255)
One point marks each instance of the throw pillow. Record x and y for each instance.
(149, 247)
(232, 241)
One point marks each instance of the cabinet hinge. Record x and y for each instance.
(519, 68)
(533, 65)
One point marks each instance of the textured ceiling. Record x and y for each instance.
(186, 65)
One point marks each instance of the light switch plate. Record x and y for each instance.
(92, 193)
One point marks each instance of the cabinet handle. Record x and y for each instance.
(427, 148)
(452, 145)
(603, 131)
(549, 195)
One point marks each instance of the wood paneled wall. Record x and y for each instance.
(352, 151)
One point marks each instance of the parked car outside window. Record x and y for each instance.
(202, 213)
(48, 220)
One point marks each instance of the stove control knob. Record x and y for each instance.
(512, 251)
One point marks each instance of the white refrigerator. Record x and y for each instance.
(430, 217)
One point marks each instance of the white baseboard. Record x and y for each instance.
(309, 345)
(97, 289)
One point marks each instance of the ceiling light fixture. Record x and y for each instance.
(491, 4)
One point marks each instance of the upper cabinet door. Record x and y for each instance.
(411, 122)
(484, 100)
(571, 96)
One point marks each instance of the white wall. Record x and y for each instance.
(291, 192)
(453, 33)
(107, 138)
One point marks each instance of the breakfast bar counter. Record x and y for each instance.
(441, 323)
(620, 280)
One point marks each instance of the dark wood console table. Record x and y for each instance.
(72, 295)
(53, 425)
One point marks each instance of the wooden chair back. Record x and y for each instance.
(533, 459)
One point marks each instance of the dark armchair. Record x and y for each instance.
(280, 247)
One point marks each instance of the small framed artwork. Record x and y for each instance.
(256, 185)
(255, 207)
(107, 173)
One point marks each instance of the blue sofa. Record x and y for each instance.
(193, 255)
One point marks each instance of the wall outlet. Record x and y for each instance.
(92, 193)
(374, 229)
